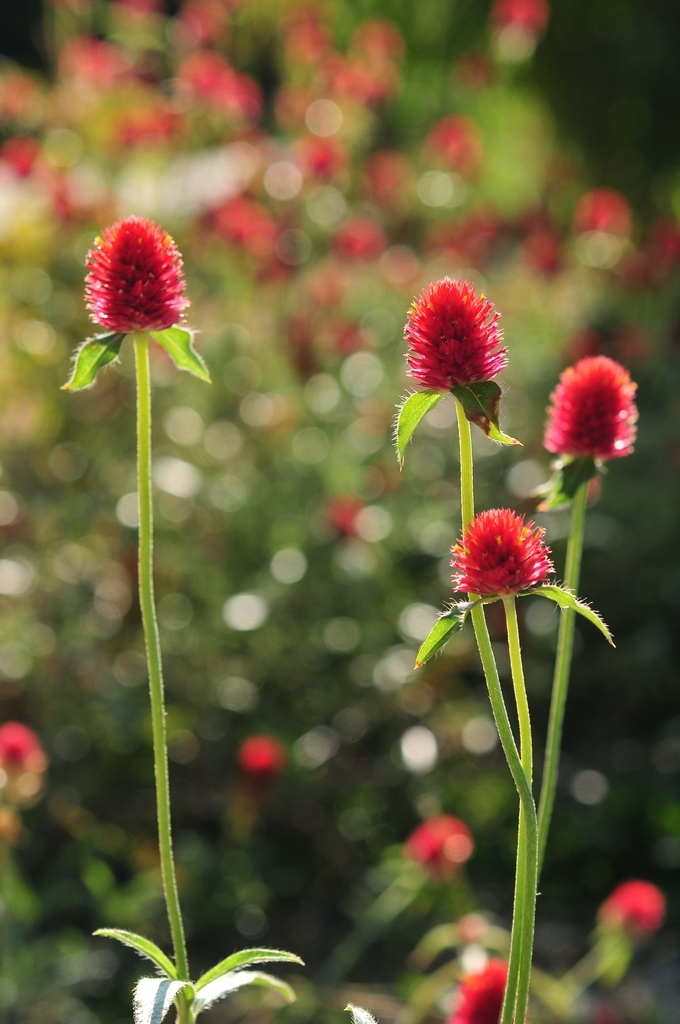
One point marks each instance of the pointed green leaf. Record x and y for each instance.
(566, 599)
(153, 998)
(178, 342)
(410, 413)
(481, 402)
(143, 946)
(228, 983)
(568, 476)
(448, 623)
(89, 357)
(360, 1015)
(244, 957)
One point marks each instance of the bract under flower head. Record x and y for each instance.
(134, 280)
(481, 995)
(453, 336)
(500, 555)
(592, 411)
(262, 756)
(442, 844)
(637, 906)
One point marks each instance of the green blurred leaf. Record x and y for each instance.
(447, 624)
(228, 983)
(153, 998)
(481, 402)
(566, 599)
(89, 358)
(409, 416)
(178, 342)
(143, 946)
(568, 476)
(243, 957)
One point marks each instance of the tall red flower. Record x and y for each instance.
(20, 749)
(441, 844)
(500, 555)
(637, 906)
(135, 280)
(453, 336)
(592, 411)
(262, 756)
(603, 209)
(481, 995)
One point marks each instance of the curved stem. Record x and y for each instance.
(527, 843)
(565, 646)
(153, 653)
(527, 806)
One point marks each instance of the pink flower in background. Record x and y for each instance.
(262, 756)
(91, 62)
(359, 238)
(321, 158)
(20, 153)
(20, 749)
(637, 906)
(207, 76)
(604, 210)
(530, 15)
(441, 844)
(455, 140)
(245, 224)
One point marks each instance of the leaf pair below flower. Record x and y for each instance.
(95, 353)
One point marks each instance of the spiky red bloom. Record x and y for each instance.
(20, 749)
(603, 209)
(500, 554)
(592, 411)
(359, 238)
(134, 280)
(453, 336)
(637, 906)
(481, 995)
(441, 844)
(262, 756)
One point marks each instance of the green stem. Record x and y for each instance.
(565, 646)
(500, 714)
(527, 840)
(153, 656)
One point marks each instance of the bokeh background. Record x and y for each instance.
(319, 163)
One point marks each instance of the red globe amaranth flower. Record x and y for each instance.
(637, 906)
(603, 209)
(480, 997)
(455, 139)
(592, 411)
(134, 280)
(530, 15)
(441, 844)
(321, 158)
(246, 224)
(208, 76)
(500, 555)
(453, 336)
(205, 20)
(262, 756)
(359, 238)
(20, 153)
(20, 749)
(94, 63)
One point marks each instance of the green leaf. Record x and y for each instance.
(568, 476)
(89, 358)
(448, 623)
(360, 1015)
(228, 983)
(410, 413)
(153, 998)
(143, 946)
(481, 402)
(566, 599)
(178, 342)
(244, 957)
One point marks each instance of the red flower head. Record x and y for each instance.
(592, 411)
(500, 554)
(20, 749)
(321, 158)
(134, 280)
(262, 756)
(246, 224)
(481, 995)
(359, 238)
(208, 76)
(603, 209)
(529, 15)
(93, 63)
(453, 336)
(441, 844)
(455, 139)
(638, 907)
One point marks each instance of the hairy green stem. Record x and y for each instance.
(153, 657)
(565, 646)
(522, 784)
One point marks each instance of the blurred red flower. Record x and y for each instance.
(386, 175)
(321, 158)
(20, 749)
(441, 844)
(359, 238)
(605, 210)
(530, 15)
(500, 554)
(94, 62)
(246, 224)
(208, 76)
(636, 906)
(262, 756)
(20, 153)
(342, 510)
(480, 997)
(456, 141)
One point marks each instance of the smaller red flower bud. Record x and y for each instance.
(592, 411)
(441, 844)
(20, 749)
(134, 280)
(500, 555)
(480, 996)
(636, 906)
(605, 210)
(453, 336)
(359, 238)
(262, 756)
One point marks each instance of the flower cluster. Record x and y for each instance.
(500, 554)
